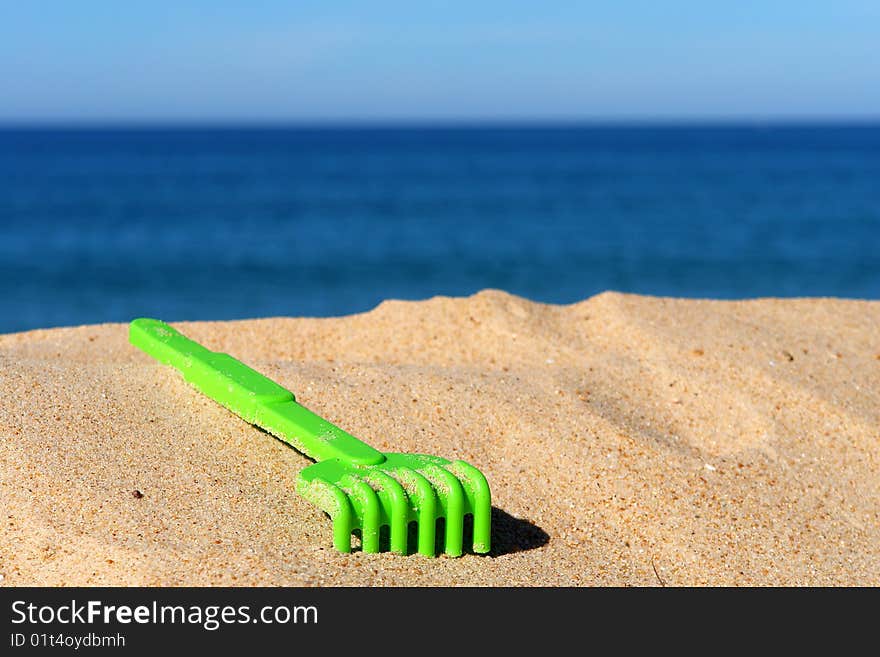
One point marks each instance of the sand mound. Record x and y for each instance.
(628, 440)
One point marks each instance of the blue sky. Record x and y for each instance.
(509, 60)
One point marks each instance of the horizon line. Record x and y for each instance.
(438, 123)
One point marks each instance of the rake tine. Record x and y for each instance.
(479, 500)
(370, 512)
(452, 496)
(426, 504)
(399, 507)
(336, 503)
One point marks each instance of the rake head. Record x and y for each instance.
(403, 489)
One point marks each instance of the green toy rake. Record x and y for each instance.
(362, 489)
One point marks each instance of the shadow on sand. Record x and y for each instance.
(510, 534)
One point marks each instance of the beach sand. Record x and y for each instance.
(628, 441)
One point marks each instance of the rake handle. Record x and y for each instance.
(250, 395)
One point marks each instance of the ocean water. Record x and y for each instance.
(108, 224)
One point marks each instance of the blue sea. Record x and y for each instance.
(102, 225)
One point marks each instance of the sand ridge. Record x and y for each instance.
(628, 440)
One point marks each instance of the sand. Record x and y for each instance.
(628, 440)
